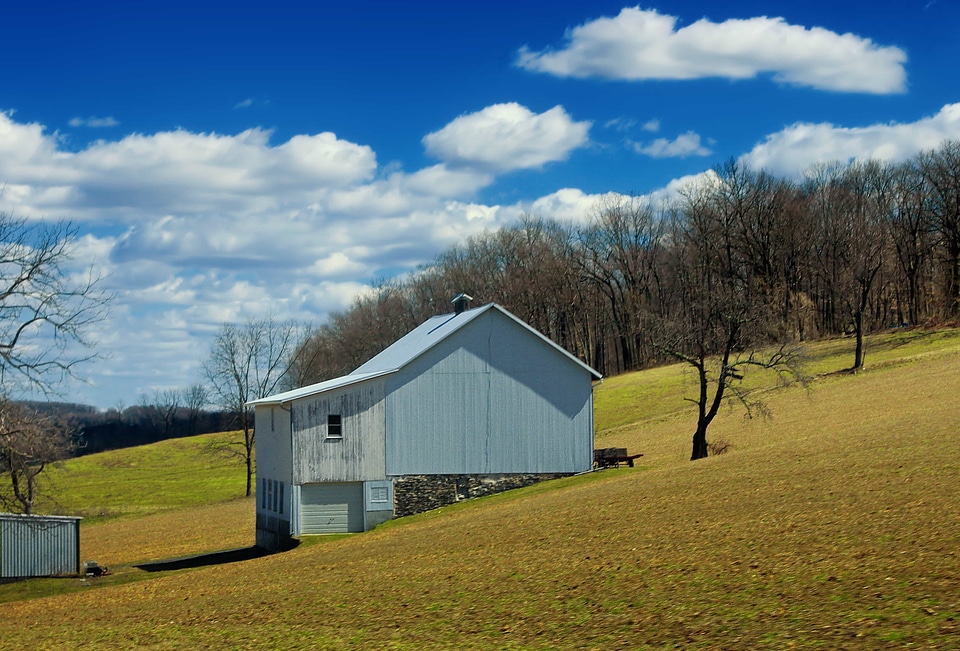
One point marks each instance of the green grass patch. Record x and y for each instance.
(168, 475)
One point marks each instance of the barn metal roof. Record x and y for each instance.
(320, 387)
(411, 346)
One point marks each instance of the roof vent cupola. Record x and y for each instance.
(461, 302)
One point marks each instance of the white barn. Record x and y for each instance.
(466, 404)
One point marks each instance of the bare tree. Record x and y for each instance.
(194, 398)
(246, 363)
(619, 256)
(28, 444)
(912, 234)
(162, 409)
(718, 320)
(850, 204)
(46, 309)
(119, 407)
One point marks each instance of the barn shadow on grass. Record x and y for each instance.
(205, 560)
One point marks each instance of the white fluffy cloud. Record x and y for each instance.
(173, 172)
(794, 149)
(505, 137)
(645, 44)
(568, 204)
(684, 145)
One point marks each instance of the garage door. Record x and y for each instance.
(331, 508)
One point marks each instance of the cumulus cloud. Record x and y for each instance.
(247, 103)
(174, 172)
(683, 146)
(505, 137)
(795, 148)
(94, 122)
(569, 204)
(643, 44)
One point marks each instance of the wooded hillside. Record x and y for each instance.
(738, 256)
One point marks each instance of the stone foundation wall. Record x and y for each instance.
(419, 493)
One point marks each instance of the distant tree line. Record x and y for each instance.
(847, 250)
(164, 415)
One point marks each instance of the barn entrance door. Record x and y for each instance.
(331, 508)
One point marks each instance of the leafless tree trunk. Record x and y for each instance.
(912, 234)
(850, 205)
(941, 168)
(161, 410)
(619, 253)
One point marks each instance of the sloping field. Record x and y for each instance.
(834, 525)
(171, 474)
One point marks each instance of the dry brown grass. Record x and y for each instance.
(170, 534)
(834, 525)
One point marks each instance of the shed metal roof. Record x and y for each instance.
(411, 346)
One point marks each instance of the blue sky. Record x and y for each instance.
(222, 162)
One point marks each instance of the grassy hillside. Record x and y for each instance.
(637, 397)
(835, 524)
(164, 476)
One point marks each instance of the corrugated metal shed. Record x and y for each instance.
(39, 545)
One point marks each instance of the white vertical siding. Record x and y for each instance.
(492, 398)
(274, 459)
(273, 442)
(360, 454)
